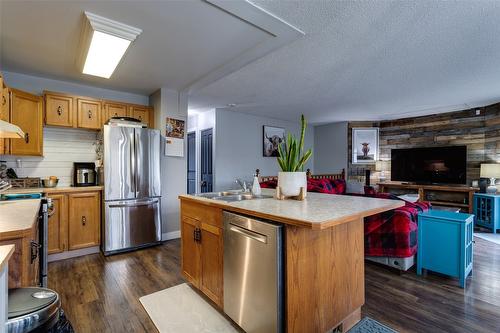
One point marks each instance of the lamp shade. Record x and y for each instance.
(382, 166)
(490, 170)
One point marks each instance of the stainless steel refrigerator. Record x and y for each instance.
(132, 188)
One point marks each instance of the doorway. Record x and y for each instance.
(191, 163)
(206, 174)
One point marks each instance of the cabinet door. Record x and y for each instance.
(15, 262)
(26, 112)
(84, 220)
(58, 110)
(89, 113)
(141, 113)
(114, 110)
(211, 262)
(190, 250)
(58, 223)
(4, 115)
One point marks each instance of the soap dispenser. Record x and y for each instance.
(256, 186)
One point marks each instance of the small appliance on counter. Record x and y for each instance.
(84, 174)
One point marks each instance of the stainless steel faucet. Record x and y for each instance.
(243, 184)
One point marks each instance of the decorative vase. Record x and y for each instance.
(365, 149)
(290, 183)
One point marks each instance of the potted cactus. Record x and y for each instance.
(291, 159)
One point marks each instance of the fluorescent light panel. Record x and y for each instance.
(109, 40)
(105, 53)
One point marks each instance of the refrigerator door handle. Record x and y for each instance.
(136, 181)
(135, 204)
(132, 167)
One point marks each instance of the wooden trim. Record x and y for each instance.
(309, 174)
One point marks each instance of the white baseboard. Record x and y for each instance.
(171, 235)
(72, 254)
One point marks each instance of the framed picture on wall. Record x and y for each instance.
(272, 138)
(364, 145)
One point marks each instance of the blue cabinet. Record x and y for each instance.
(487, 211)
(445, 241)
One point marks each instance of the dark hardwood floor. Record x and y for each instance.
(101, 294)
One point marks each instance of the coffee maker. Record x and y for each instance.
(84, 174)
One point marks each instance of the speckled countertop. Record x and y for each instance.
(17, 217)
(317, 211)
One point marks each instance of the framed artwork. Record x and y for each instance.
(364, 145)
(273, 137)
(174, 128)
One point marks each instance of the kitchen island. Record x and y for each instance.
(323, 253)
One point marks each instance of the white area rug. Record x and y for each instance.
(495, 238)
(180, 309)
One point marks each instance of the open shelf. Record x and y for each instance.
(449, 203)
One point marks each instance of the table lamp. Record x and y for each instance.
(491, 171)
(382, 166)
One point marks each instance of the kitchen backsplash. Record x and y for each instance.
(61, 147)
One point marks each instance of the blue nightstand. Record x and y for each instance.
(445, 243)
(487, 211)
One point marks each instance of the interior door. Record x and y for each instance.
(206, 160)
(119, 163)
(191, 163)
(147, 161)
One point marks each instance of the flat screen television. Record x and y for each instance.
(436, 165)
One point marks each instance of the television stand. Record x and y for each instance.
(438, 195)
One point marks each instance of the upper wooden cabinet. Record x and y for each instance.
(143, 113)
(89, 113)
(4, 114)
(113, 109)
(26, 112)
(58, 110)
(84, 222)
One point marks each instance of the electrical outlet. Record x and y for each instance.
(478, 112)
(19, 163)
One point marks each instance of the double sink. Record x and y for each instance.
(232, 196)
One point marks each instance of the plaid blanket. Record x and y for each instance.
(393, 233)
(389, 234)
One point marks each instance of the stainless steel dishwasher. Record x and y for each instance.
(253, 273)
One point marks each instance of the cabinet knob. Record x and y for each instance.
(59, 110)
(90, 114)
(84, 220)
(27, 137)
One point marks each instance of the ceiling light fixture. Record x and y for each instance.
(104, 42)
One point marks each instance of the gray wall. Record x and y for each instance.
(36, 85)
(238, 146)
(330, 147)
(169, 103)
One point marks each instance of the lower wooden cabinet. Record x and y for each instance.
(76, 221)
(202, 252)
(23, 268)
(58, 223)
(84, 220)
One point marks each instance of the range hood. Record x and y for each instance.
(10, 131)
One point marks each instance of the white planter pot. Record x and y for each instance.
(291, 182)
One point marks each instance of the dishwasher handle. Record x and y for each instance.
(248, 233)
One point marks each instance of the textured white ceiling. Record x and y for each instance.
(181, 40)
(362, 60)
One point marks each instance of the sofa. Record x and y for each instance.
(390, 237)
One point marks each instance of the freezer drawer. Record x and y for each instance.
(253, 274)
(130, 224)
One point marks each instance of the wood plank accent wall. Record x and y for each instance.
(480, 133)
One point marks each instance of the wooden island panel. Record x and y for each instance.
(325, 283)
